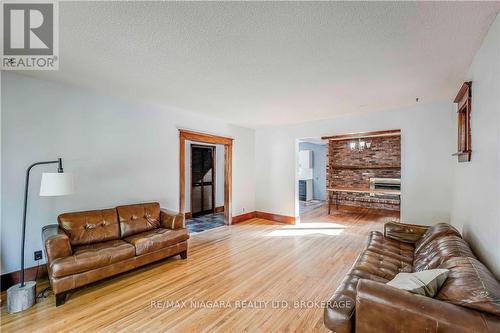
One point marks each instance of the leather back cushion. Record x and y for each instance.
(436, 231)
(440, 250)
(470, 284)
(90, 226)
(138, 218)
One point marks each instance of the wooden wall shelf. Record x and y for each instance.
(355, 167)
(464, 101)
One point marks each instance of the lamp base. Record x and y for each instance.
(21, 298)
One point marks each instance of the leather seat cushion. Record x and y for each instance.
(436, 231)
(156, 239)
(138, 218)
(381, 265)
(390, 247)
(90, 226)
(470, 284)
(88, 257)
(439, 251)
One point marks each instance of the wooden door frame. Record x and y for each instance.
(213, 151)
(228, 167)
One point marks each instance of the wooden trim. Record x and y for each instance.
(219, 209)
(395, 132)
(464, 101)
(7, 280)
(275, 217)
(214, 177)
(228, 181)
(265, 216)
(203, 137)
(464, 89)
(182, 173)
(244, 217)
(228, 166)
(188, 215)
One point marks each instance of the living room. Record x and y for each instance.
(109, 133)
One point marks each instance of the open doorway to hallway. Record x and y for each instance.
(204, 186)
(312, 175)
(205, 180)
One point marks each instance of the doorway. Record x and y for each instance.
(205, 188)
(202, 180)
(312, 167)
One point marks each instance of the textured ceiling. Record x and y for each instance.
(261, 63)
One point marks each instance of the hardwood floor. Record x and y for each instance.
(254, 261)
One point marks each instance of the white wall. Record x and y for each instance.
(476, 193)
(121, 152)
(426, 146)
(219, 174)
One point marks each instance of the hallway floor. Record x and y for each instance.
(205, 222)
(307, 206)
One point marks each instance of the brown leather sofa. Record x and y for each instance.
(469, 300)
(85, 247)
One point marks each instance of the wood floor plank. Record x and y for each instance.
(257, 260)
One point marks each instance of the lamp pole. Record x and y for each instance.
(26, 188)
(23, 295)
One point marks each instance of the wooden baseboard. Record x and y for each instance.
(30, 274)
(188, 215)
(264, 215)
(276, 217)
(242, 217)
(219, 209)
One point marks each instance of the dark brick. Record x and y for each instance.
(384, 151)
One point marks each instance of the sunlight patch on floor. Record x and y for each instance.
(315, 225)
(306, 229)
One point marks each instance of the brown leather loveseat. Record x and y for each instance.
(88, 246)
(468, 301)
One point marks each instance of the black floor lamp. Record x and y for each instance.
(22, 295)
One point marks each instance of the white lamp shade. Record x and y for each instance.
(54, 184)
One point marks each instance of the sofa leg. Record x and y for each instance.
(184, 254)
(60, 299)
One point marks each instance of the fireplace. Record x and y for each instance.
(376, 167)
(386, 184)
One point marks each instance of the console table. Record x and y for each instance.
(334, 192)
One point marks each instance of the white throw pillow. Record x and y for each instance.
(425, 283)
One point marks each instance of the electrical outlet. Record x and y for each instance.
(38, 255)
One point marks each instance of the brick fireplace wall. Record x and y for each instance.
(347, 168)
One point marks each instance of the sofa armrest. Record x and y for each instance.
(382, 308)
(407, 233)
(172, 220)
(56, 243)
(339, 310)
